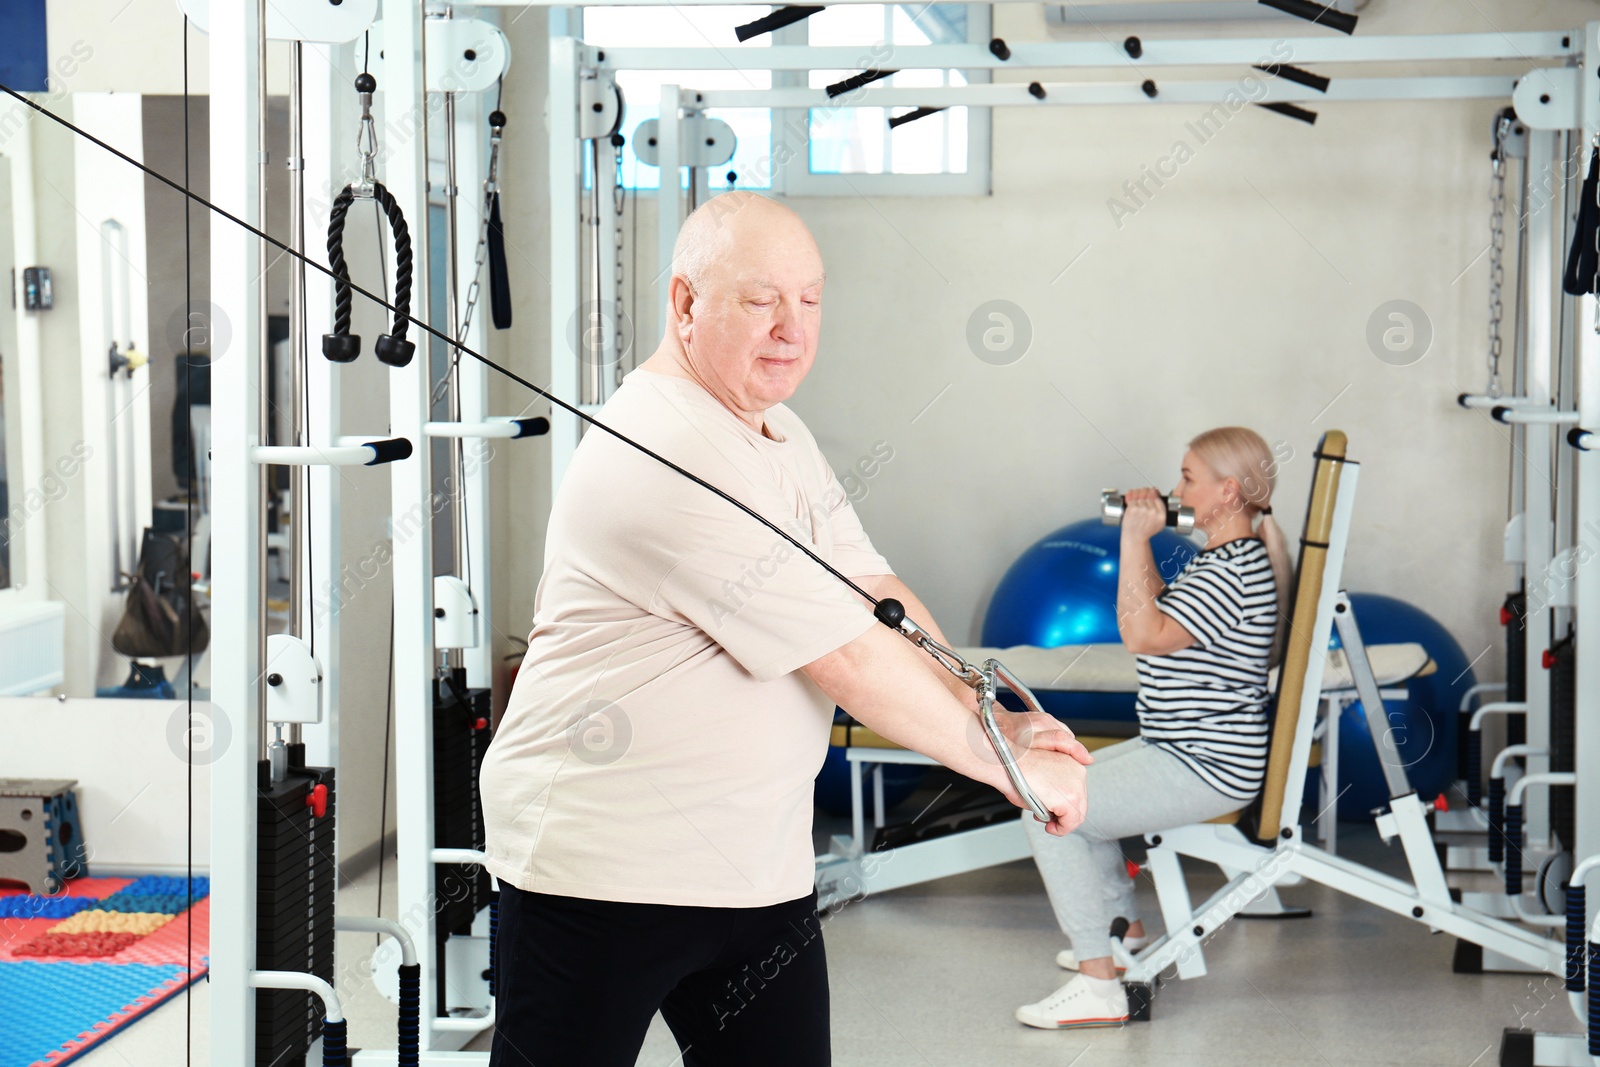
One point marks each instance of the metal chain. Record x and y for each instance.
(619, 198)
(1497, 245)
(491, 186)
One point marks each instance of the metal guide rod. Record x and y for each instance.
(299, 536)
(453, 316)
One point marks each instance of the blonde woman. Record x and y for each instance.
(1203, 645)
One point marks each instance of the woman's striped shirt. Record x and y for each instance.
(1207, 704)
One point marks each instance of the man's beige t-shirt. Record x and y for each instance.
(660, 742)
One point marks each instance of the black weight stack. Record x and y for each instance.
(295, 881)
(1516, 613)
(461, 734)
(1563, 735)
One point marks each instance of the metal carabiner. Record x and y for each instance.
(366, 137)
(983, 679)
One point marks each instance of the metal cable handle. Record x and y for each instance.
(984, 680)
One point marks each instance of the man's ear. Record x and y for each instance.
(681, 299)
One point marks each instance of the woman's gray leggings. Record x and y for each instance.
(1134, 788)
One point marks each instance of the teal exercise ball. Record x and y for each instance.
(1422, 726)
(1063, 591)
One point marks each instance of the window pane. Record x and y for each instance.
(858, 140)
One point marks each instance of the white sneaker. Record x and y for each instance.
(1067, 960)
(1081, 1003)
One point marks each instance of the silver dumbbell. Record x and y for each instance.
(1111, 507)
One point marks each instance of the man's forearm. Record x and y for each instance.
(888, 585)
(880, 679)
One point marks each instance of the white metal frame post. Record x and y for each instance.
(320, 614)
(473, 380)
(411, 510)
(1538, 522)
(235, 623)
(1587, 592)
(566, 176)
(669, 198)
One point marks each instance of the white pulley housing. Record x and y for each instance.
(464, 55)
(455, 616)
(294, 681)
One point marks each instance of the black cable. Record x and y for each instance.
(388, 714)
(388, 724)
(426, 328)
(188, 529)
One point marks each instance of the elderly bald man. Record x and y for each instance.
(648, 796)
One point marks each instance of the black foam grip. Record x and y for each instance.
(499, 278)
(534, 427)
(1594, 1001)
(913, 116)
(1497, 819)
(1575, 438)
(1297, 75)
(1293, 111)
(784, 16)
(335, 1051)
(389, 451)
(856, 81)
(407, 1048)
(494, 942)
(1513, 850)
(1323, 16)
(1577, 919)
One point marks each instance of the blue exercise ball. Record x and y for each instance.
(1063, 591)
(1422, 726)
(832, 792)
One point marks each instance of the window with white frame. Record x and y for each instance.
(822, 150)
(848, 149)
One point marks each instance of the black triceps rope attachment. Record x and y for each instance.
(341, 345)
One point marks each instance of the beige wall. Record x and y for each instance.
(1239, 293)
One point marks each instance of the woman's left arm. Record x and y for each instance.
(1146, 629)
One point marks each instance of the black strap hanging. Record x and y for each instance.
(495, 237)
(499, 279)
(341, 345)
(1583, 262)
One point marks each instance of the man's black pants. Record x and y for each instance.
(578, 981)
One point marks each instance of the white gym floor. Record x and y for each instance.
(928, 976)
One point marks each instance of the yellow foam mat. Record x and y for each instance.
(95, 921)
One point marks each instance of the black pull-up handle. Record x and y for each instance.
(391, 450)
(784, 16)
